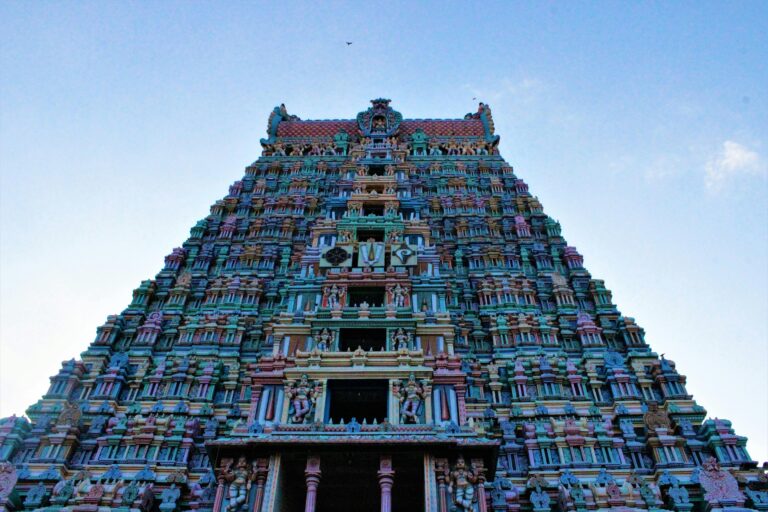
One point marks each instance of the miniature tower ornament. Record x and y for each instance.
(378, 315)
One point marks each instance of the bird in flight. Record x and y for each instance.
(473, 99)
(349, 43)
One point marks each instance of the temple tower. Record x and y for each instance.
(378, 316)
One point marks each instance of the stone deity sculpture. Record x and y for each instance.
(461, 486)
(239, 480)
(411, 397)
(302, 396)
(324, 340)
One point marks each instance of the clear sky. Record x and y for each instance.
(642, 127)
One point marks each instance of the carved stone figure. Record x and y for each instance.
(63, 491)
(461, 486)
(8, 479)
(411, 398)
(720, 487)
(35, 496)
(400, 295)
(400, 339)
(656, 418)
(302, 396)
(70, 415)
(130, 493)
(324, 340)
(333, 296)
(239, 480)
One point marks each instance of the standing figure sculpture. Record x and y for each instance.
(239, 480)
(302, 396)
(461, 486)
(411, 397)
(324, 340)
(400, 339)
(400, 295)
(333, 296)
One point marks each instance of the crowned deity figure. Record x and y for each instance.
(400, 295)
(461, 486)
(324, 340)
(400, 339)
(411, 397)
(334, 295)
(302, 396)
(239, 480)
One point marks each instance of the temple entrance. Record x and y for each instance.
(408, 488)
(349, 481)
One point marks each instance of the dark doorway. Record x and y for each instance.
(373, 209)
(359, 399)
(376, 170)
(349, 483)
(367, 339)
(363, 235)
(291, 493)
(373, 295)
(408, 490)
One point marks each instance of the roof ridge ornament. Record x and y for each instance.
(279, 114)
(380, 119)
(484, 115)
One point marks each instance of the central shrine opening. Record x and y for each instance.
(372, 295)
(363, 400)
(363, 235)
(367, 339)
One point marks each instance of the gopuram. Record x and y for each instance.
(379, 316)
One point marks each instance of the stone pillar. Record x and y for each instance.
(219, 496)
(479, 470)
(386, 480)
(260, 469)
(441, 471)
(312, 475)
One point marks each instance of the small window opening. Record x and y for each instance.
(363, 235)
(367, 339)
(373, 209)
(376, 170)
(373, 295)
(364, 400)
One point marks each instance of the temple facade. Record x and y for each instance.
(379, 316)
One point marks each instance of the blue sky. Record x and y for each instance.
(640, 126)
